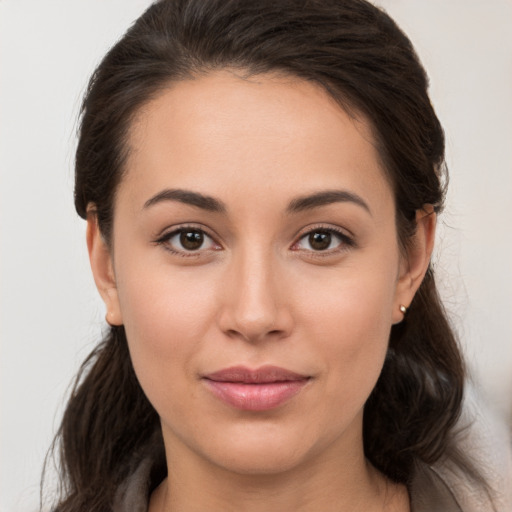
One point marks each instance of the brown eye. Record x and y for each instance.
(320, 240)
(188, 241)
(191, 240)
(323, 240)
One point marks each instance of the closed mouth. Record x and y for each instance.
(261, 389)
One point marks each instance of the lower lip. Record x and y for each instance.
(256, 397)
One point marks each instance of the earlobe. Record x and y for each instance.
(416, 262)
(102, 269)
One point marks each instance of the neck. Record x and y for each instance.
(323, 483)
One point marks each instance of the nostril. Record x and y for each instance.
(254, 314)
(254, 336)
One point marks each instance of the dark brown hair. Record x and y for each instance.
(362, 59)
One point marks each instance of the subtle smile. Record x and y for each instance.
(255, 390)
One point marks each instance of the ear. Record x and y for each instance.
(100, 258)
(415, 262)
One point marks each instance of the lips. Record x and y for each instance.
(262, 389)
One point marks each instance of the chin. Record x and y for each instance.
(260, 451)
(260, 461)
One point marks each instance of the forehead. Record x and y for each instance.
(222, 133)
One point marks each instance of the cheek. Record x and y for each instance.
(166, 317)
(350, 317)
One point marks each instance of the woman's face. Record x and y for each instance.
(256, 269)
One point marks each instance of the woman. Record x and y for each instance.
(261, 182)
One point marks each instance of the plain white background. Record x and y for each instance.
(51, 316)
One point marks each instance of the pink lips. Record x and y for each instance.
(255, 390)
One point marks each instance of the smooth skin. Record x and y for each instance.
(227, 251)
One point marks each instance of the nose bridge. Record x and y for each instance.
(255, 307)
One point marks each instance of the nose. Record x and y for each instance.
(254, 304)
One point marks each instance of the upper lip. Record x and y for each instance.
(264, 374)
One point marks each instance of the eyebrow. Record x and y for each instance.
(298, 204)
(204, 202)
(324, 198)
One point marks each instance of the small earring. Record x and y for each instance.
(403, 309)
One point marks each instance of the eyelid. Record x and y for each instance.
(346, 238)
(168, 233)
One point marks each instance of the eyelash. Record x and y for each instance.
(165, 239)
(345, 241)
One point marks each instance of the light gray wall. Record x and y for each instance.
(50, 314)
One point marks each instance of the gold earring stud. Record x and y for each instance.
(403, 309)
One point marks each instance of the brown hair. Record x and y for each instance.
(359, 56)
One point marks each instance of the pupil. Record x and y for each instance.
(191, 240)
(320, 240)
